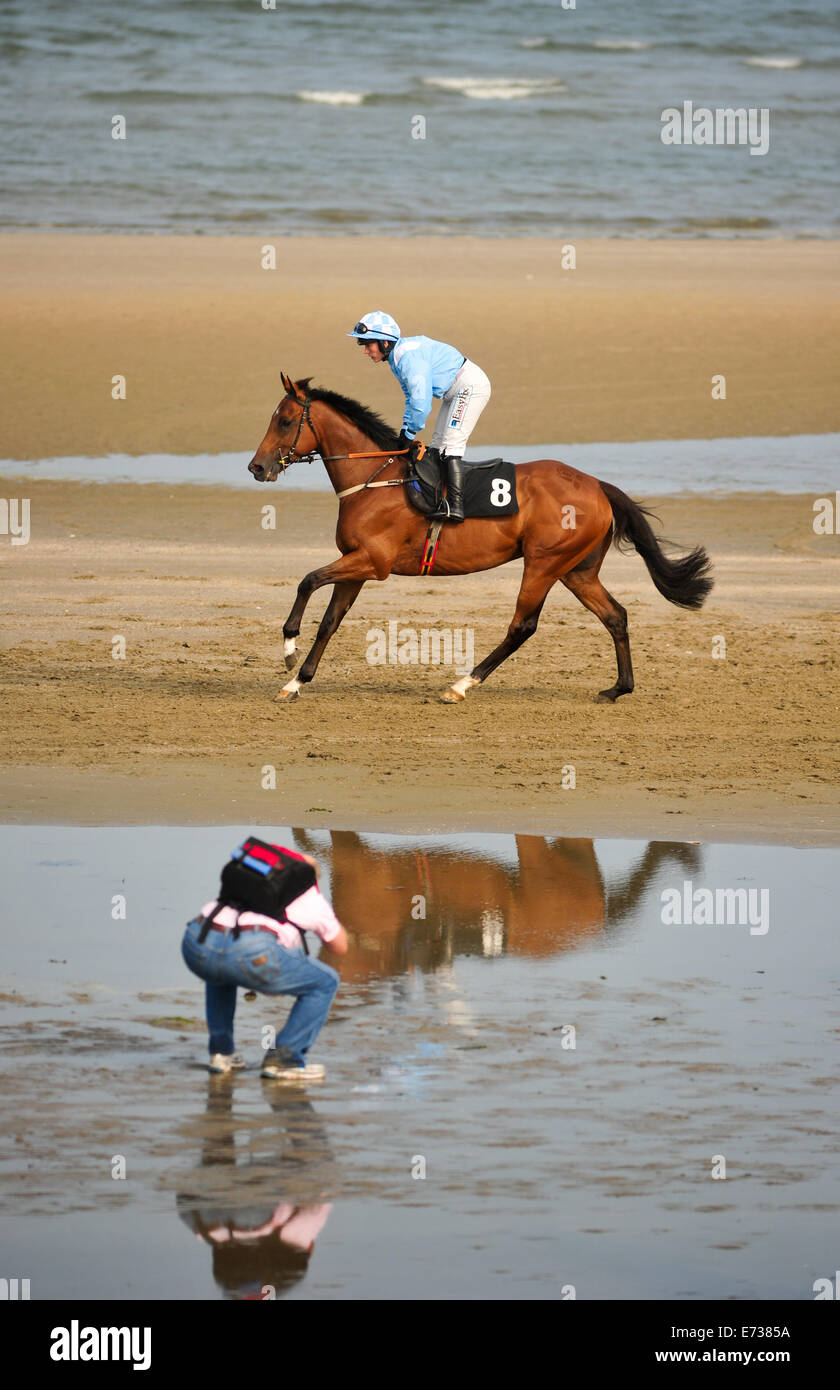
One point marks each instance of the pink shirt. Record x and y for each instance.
(298, 1226)
(310, 911)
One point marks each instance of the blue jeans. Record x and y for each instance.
(257, 961)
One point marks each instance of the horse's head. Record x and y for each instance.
(290, 435)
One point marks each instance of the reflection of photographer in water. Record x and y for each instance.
(262, 1243)
(271, 1255)
(252, 936)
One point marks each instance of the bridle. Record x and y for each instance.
(292, 456)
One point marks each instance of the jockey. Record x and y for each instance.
(425, 369)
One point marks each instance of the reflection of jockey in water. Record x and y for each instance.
(262, 1246)
(426, 369)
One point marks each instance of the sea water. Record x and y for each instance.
(791, 464)
(537, 1079)
(474, 116)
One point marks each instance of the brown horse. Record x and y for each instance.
(563, 529)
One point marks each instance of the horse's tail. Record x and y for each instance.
(686, 581)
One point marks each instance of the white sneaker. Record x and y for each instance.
(222, 1062)
(279, 1071)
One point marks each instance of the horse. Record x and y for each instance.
(563, 529)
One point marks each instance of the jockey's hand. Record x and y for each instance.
(414, 446)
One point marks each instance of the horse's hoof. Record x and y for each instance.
(290, 652)
(458, 692)
(289, 692)
(291, 660)
(610, 696)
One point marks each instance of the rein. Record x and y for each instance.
(292, 456)
(360, 487)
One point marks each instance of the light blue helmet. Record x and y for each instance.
(375, 326)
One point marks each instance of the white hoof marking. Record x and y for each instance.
(290, 690)
(458, 691)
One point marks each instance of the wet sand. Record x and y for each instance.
(623, 347)
(547, 1165)
(182, 728)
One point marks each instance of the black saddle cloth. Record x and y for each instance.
(489, 488)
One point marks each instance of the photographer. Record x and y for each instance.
(231, 946)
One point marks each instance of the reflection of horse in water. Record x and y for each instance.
(553, 900)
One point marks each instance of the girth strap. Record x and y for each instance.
(431, 547)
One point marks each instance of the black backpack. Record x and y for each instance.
(264, 878)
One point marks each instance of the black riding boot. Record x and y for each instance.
(454, 490)
(452, 508)
(440, 460)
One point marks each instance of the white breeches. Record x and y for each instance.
(460, 409)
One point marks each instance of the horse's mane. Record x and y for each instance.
(366, 420)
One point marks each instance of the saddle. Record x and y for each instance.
(489, 487)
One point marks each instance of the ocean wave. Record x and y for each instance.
(334, 98)
(620, 45)
(774, 62)
(534, 43)
(496, 88)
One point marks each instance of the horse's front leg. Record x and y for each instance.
(348, 575)
(357, 565)
(344, 596)
(291, 627)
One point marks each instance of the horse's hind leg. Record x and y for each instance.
(532, 595)
(584, 583)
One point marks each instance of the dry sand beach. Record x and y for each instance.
(179, 731)
(623, 347)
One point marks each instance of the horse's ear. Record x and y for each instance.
(288, 384)
(293, 389)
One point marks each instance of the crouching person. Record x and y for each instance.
(252, 937)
